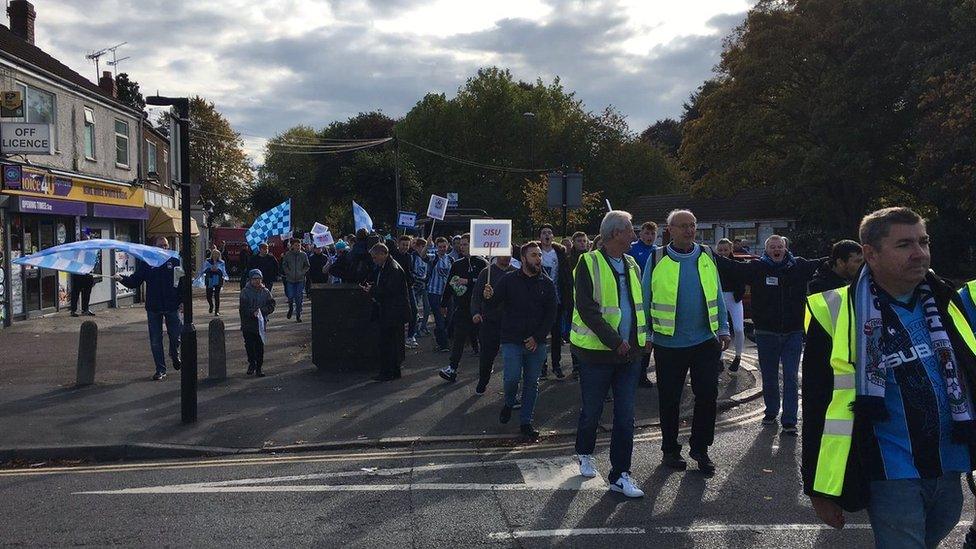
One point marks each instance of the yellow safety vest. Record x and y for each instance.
(606, 294)
(664, 290)
(832, 311)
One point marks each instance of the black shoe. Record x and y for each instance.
(74, 313)
(210, 310)
(518, 405)
(448, 374)
(705, 464)
(259, 373)
(88, 313)
(768, 420)
(734, 365)
(289, 313)
(177, 363)
(674, 460)
(159, 376)
(250, 369)
(481, 388)
(529, 431)
(505, 414)
(645, 383)
(790, 429)
(298, 319)
(558, 372)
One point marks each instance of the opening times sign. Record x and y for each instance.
(491, 237)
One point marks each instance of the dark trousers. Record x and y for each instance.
(463, 329)
(556, 340)
(255, 349)
(213, 297)
(390, 343)
(672, 370)
(85, 292)
(489, 336)
(595, 381)
(645, 364)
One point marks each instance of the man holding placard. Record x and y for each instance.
(457, 292)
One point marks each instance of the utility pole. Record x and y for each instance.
(396, 177)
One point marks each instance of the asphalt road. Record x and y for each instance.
(432, 496)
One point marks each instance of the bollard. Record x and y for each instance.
(217, 350)
(87, 347)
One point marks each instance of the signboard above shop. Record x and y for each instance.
(25, 138)
(28, 181)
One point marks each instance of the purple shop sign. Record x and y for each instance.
(51, 206)
(62, 186)
(11, 177)
(119, 212)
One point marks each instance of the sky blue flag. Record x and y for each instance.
(363, 220)
(80, 257)
(274, 222)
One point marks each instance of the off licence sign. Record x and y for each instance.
(25, 138)
(491, 237)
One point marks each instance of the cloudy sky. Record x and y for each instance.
(273, 64)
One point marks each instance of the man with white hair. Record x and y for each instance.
(683, 298)
(778, 283)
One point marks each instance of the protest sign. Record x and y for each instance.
(491, 237)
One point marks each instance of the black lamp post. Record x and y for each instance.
(188, 338)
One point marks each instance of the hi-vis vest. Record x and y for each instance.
(833, 311)
(664, 289)
(605, 293)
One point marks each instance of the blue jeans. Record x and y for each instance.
(773, 350)
(440, 329)
(914, 512)
(595, 381)
(295, 292)
(174, 326)
(522, 365)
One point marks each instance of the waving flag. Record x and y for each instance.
(80, 257)
(363, 220)
(274, 222)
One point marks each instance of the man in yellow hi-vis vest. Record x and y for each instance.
(608, 335)
(684, 307)
(888, 393)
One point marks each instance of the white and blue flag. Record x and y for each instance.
(80, 257)
(274, 222)
(363, 220)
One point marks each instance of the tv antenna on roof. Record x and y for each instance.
(95, 55)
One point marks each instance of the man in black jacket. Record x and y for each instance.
(845, 261)
(555, 263)
(527, 298)
(388, 288)
(457, 293)
(779, 285)
(267, 264)
(316, 266)
(898, 439)
(488, 317)
(402, 256)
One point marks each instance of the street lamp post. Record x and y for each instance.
(188, 337)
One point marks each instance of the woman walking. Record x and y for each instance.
(214, 273)
(732, 292)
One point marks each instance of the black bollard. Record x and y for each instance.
(217, 350)
(87, 347)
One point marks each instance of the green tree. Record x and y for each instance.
(217, 160)
(128, 91)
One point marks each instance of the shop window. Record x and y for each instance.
(122, 143)
(89, 134)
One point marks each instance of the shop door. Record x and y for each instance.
(48, 278)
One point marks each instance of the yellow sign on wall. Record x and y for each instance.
(29, 182)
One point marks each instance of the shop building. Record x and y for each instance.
(88, 182)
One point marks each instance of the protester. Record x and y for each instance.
(457, 295)
(214, 273)
(581, 245)
(256, 305)
(733, 290)
(487, 315)
(339, 267)
(440, 270)
(846, 259)
(419, 270)
(555, 263)
(968, 295)
(683, 298)
(389, 290)
(641, 250)
(608, 335)
(243, 263)
(527, 299)
(164, 287)
(294, 265)
(778, 283)
(567, 243)
(81, 285)
(267, 264)
(455, 255)
(888, 393)
(316, 266)
(403, 258)
(740, 247)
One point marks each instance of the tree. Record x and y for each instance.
(265, 196)
(128, 92)
(536, 192)
(217, 160)
(665, 135)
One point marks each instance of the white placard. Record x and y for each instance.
(24, 138)
(406, 220)
(491, 237)
(437, 207)
(322, 240)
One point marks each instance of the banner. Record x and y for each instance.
(362, 219)
(437, 207)
(491, 237)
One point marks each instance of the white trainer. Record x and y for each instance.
(587, 467)
(625, 486)
(411, 343)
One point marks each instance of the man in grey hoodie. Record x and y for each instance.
(255, 300)
(295, 266)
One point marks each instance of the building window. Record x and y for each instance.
(706, 236)
(151, 158)
(122, 142)
(747, 235)
(40, 108)
(89, 134)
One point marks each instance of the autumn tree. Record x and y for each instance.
(217, 160)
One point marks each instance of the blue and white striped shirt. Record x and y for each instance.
(440, 269)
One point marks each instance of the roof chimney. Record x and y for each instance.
(22, 15)
(107, 83)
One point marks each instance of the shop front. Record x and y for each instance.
(45, 208)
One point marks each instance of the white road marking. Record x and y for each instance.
(562, 532)
(693, 529)
(537, 474)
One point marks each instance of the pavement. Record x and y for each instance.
(295, 408)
